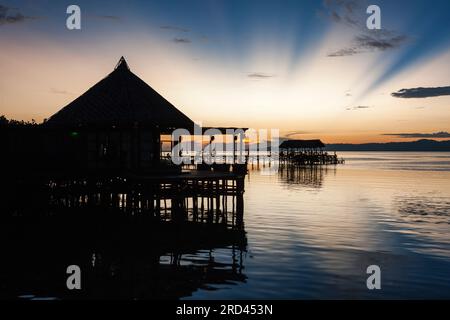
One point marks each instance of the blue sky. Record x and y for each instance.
(296, 65)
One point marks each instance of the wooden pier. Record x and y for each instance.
(205, 197)
(201, 197)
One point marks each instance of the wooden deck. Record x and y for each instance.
(205, 197)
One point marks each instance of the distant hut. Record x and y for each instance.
(116, 124)
(306, 152)
(302, 145)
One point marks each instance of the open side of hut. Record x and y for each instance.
(116, 124)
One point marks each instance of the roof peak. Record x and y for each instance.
(122, 64)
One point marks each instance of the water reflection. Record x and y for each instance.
(143, 255)
(304, 176)
(311, 234)
(127, 269)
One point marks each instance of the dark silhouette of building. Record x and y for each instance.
(116, 124)
(93, 175)
(306, 152)
(302, 144)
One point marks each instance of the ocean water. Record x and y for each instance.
(312, 233)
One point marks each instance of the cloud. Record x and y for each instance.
(439, 135)
(344, 52)
(199, 38)
(377, 41)
(294, 133)
(422, 92)
(110, 18)
(174, 28)
(358, 108)
(343, 11)
(58, 91)
(352, 14)
(10, 16)
(260, 75)
(181, 40)
(107, 17)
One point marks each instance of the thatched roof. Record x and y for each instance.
(301, 144)
(121, 98)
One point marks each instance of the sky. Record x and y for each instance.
(311, 69)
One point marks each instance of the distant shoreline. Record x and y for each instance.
(413, 146)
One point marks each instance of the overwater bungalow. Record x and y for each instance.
(306, 152)
(115, 125)
(118, 125)
(104, 150)
(302, 145)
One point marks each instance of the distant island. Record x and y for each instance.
(419, 145)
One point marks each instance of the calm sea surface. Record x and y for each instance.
(312, 233)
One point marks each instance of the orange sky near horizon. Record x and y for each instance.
(318, 98)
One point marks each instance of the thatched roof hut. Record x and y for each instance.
(121, 99)
(302, 144)
(116, 125)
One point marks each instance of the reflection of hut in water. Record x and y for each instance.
(116, 266)
(305, 176)
(306, 152)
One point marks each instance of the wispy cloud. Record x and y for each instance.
(174, 28)
(439, 135)
(344, 12)
(376, 41)
(11, 15)
(294, 133)
(181, 40)
(422, 92)
(351, 14)
(344, 52)
(358, 108)
(379, 41)
(59, 91)
(107, 17)
(260, 75)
